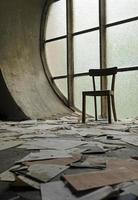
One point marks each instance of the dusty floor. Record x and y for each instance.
(17, 139)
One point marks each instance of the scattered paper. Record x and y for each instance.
(45, 172)
(9, 144)
(46, 154)
(59, 144)
(59, 191)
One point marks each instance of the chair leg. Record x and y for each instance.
(95, 105)
(109, 110)
(113, 108)
(83, 107)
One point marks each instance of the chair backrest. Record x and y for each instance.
(103, 72)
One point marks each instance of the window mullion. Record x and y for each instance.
(102, 22)
(70, 59)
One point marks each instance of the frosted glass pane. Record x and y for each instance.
(56, 57)
(56, 24)
(85, 14)
(83, 84)
(62, 86)
(122, 48)
(86, 51)
(126, 94)
(121, 9)
(122, 45)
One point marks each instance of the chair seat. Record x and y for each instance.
(98, 93)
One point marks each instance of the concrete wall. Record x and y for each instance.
(21, 65)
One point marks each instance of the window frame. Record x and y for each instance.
(70, 49)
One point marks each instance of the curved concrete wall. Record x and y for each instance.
(20, 61)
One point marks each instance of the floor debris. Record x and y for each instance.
(118, 163)
(131, 188)
(46, 154)
(7, 176)
(96, 160)
(28, 181)
(56, 161)
(91, 180)
(94, 150)
(59, 191)
(58, 144)
(126, 197)
(45, 172)
(88, 165)
(11, 196)
(131, 139)
(9, 144)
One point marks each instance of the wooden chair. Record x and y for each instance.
(108, 93)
